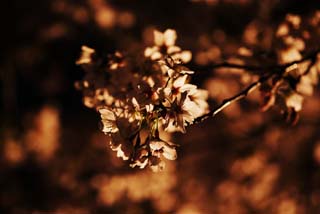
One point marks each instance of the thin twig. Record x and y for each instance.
(308, 56)
(231, 100)
(280, 68)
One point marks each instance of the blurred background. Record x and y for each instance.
(54, 158)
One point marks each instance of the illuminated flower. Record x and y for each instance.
(168, 38)
(179, 86)
(120, 152)
(199, 97)
(165, 45)
(108, 121)
(141, 159)
(121, 144)
(158, 147)
(86, 54)
(136, 98)
(104, 96)
(175, 70)
(179, 113)
(294, 101)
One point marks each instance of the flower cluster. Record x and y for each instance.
(139, 98)
(286, 89)
(287, 93)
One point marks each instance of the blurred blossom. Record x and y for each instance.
(54, 31)
(13, 151)
(294, 20)
(210, 55)
(104, 14)
(42, 139)
(69, 209)
(108, 17)
(209, 48)
(105, 17)
(138, 187)
(315, 20)
(245, 51)
(204, 41)
(289, 55)
(243, 127)
(262, 186)
(298, 43)
(219, 36)
(287, 206)
(219, 88)
(251, 33)
(257, 33)
(189, 209)
(283, 30)
(228, 190)
(249, 166)
(78, 13)
(126, 19)
(316, 153)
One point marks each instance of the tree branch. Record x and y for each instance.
(308, 56)
(280, 68)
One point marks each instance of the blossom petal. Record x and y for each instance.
(180, 81)
(158, 38)
(169, 153)
(120, 153)
(170, 37)
(188, 88)
(107, 114)
(295, 101)
(185, 56)
(173, 49)
(156, 145)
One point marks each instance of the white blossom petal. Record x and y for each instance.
(156, 55)
(169, 153)
(135, 103)
(173, 49)
(180, 81)
(107, 114)
(295, 101)
(158, 38)
(170, 37)
(189, 88)
(185, 56)
(120, 153)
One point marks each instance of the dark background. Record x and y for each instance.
(42, 41)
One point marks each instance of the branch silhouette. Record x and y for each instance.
(278, 70)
